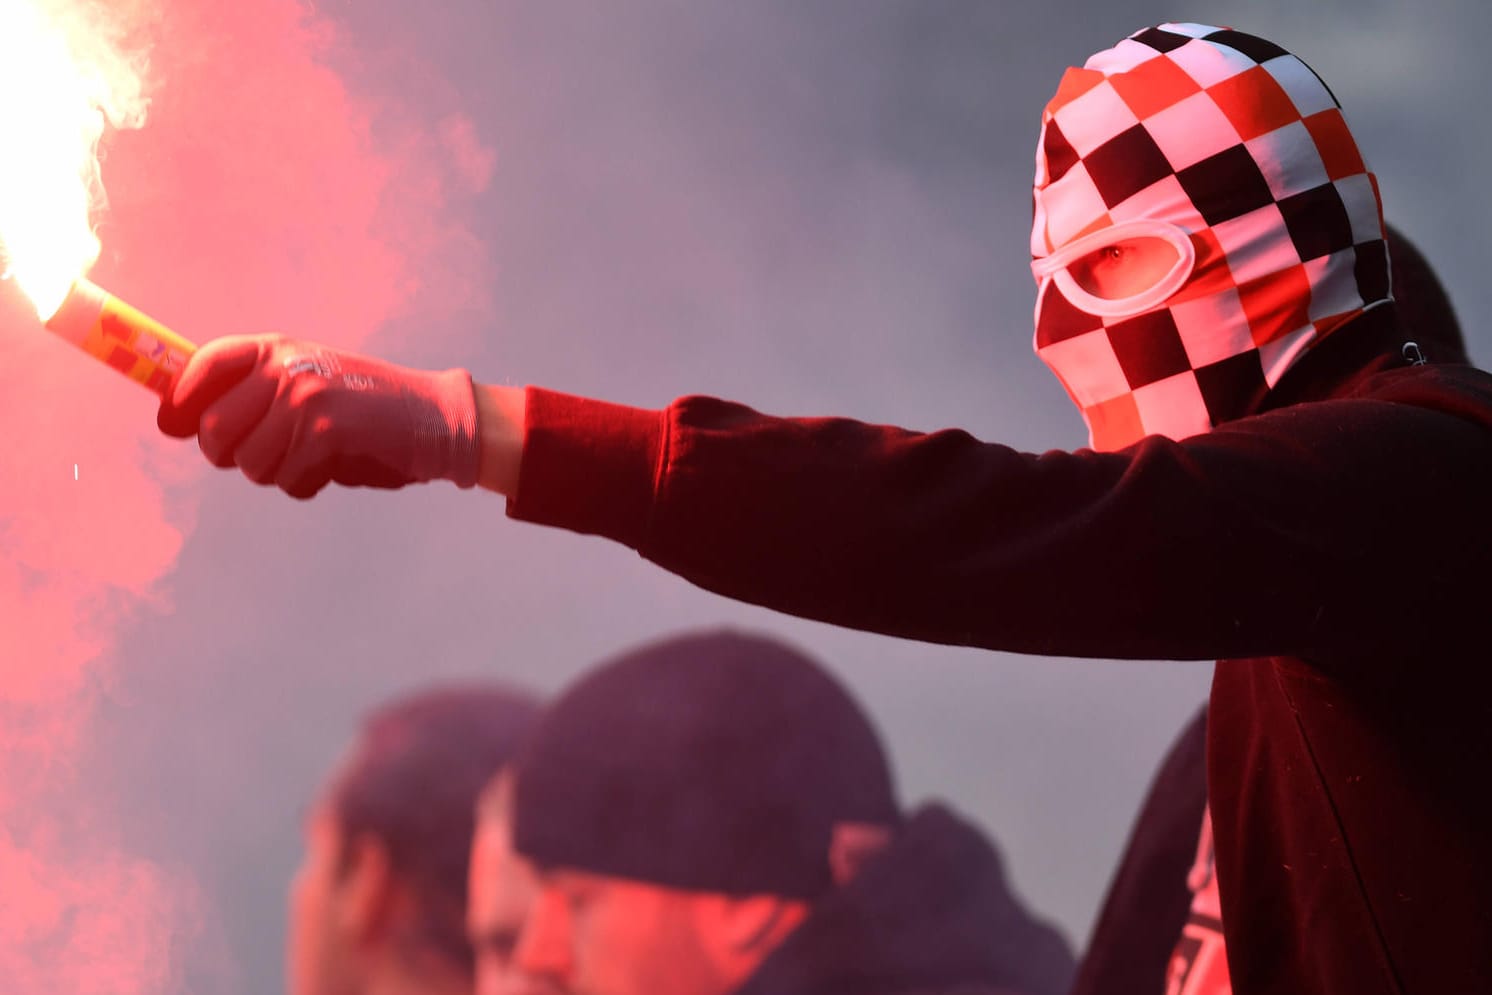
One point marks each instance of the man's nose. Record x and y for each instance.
(544, 949)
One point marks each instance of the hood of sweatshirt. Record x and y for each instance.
(932, 914)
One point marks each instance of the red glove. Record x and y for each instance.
(301, 415)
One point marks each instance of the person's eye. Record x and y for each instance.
(1124, 268)
(1097, 272)
(1106, 258)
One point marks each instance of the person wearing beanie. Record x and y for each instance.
(378, 904)
(713, 814)
(1278, 479)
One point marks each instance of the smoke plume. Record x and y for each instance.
(257, 197)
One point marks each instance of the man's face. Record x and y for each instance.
(319, 960)
(593, 934)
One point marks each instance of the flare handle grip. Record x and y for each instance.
(121, 336)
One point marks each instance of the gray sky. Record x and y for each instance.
(815, 208)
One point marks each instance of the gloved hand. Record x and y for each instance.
(301, 415)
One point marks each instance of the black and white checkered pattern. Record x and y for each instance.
(1240, 145)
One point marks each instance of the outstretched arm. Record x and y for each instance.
(1319, 529)
(1333, 530)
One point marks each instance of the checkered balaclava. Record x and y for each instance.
(1237, 154)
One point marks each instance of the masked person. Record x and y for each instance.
(1149, 901)
(378, 905)
(713, 814)
(1279, 480)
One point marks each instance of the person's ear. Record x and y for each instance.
(752, 924)
(852, 845)
(368, 894)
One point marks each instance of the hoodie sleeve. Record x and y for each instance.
(1317, 530)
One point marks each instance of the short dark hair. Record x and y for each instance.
(412, 783)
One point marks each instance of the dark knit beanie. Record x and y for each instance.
(709, 762)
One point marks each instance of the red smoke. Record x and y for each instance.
(255, 197)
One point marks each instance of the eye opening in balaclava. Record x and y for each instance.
(1234, 143)
(1082, 291)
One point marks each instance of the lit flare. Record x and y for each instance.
(60, 84)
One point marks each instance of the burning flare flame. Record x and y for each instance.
(62, 80)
